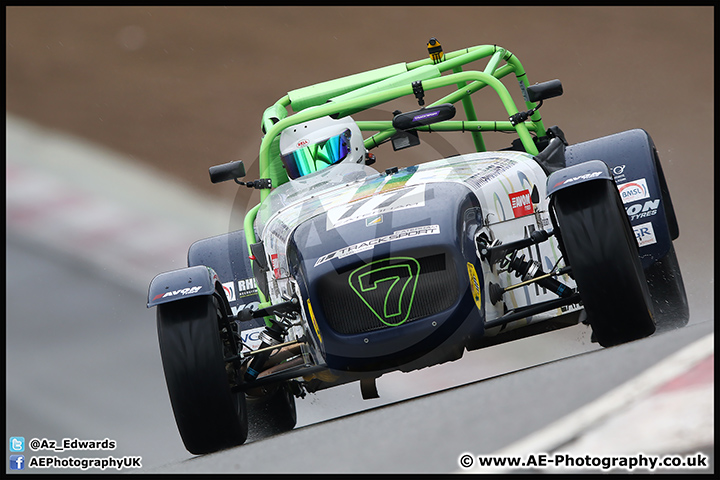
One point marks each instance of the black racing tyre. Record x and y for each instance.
(274, 413)
(668, 293)
(209, 416)
(600, 246)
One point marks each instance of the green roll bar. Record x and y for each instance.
(354, 93)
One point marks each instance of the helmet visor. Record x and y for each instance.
(315, 157)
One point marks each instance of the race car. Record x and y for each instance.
(343, 273)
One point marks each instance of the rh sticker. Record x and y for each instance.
(246, 287)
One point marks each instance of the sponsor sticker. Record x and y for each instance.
(520, 203)
(376, 206)
(645, 234)
(236, 309)
(619, 173)
(491, 169)
(182, 291)
(275, 265)
(251, 338)
(386, 183)
(644, 210)
(585, 176)
(229, 288)
(369, 244)
(376, 220)
(314, 322)
(246, 287)
(634, 191)
(424, 116)
(474, 285)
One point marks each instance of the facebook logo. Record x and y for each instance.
(17, 444)
(17, 462)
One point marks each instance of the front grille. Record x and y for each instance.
(387, 292)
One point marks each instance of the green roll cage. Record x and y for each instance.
(354, 93)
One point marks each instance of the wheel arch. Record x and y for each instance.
(592, 170)
(633, 159)
(185, 283)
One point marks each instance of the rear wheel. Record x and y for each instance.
(599, 245)
(209, 416)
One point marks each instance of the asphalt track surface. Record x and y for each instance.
(81, 349)
(98, 376)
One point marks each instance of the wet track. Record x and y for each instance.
(81, 348)
(100, 365)
(99, 376)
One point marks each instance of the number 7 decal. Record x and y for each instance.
(387, 287)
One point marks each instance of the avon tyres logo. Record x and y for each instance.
(387, 287)
(586, 176)
(183, 291)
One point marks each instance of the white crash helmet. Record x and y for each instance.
(311, 146)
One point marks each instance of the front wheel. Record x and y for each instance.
(209, 416)
(668, 293)
(273, 413)
(599, 245)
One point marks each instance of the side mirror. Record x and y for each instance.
(227, 171)
(403, 139)
(545, 90)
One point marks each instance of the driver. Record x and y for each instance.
(311, 146)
